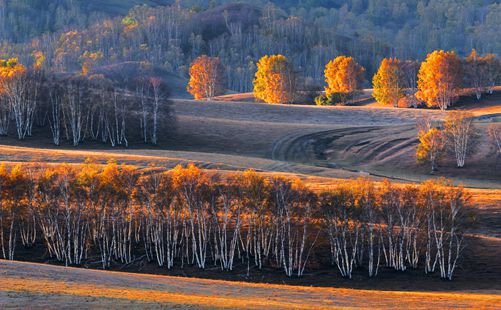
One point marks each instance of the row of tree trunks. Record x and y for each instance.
(187, 217)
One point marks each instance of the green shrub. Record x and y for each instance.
(331, 99)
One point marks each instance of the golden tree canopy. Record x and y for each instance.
(207, 78)
(275, 80)
(9, 68)
(431, 146)
(388, 82)
(39, 60)
(439, 79)
(343, 75)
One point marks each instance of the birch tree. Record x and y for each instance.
(460, 130)
(76, 109)
(431, 147)
(494, 132)
(439, 79)
(339, 210)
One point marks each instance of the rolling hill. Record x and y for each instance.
(39, 286)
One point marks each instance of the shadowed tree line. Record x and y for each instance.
(81, 107)
(116, 214)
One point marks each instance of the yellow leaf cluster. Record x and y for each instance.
(388, 82)
(343, 75)
(206, 78)
(39, 60)
(274, 81)
(431, 144)
(89, 59)
(439, 79)
(9, 68)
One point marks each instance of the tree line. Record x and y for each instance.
(82, 106)
(171, 37)
(116, 214)
(437, 82)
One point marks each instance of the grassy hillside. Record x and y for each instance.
(21, 20)
(33, 285)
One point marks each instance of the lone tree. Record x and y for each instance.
(388, 82)
(493, 71)
(459, 131)
(343, 75)
(431, 147)
(475, 69)
(494, 132)
(439, 79)
(207, 78)
(275, 81)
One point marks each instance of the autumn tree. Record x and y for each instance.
(439, 79)
(159, 94)
(388, 82)
(343, 75)
(20, 89)
(459, 130)
(494, 132)
(39, 60)
(207, 78)
(75, 107)
(89, 60)
(9, 69)
(13, 187)
(475, 69)
(431, 147)
(275, 80)
(492, 71)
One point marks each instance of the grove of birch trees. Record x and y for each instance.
(116, 215)
(79, 107)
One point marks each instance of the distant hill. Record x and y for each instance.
(21, 20)
(213, 22)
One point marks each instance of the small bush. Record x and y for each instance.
(331, 99)
(321, 100)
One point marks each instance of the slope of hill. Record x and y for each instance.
(34, 285)
(21, 20)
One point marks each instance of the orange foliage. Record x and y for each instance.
(39, 60)
(343, 75)
(430, 148)
(9, 69)
(207, 78)
(89, 59)
(388, 82)
(274, 81)
(189, 178)
(439, 79)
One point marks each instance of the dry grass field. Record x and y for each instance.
(317, 144)
(38, 286)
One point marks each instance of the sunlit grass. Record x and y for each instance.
(219, 294)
